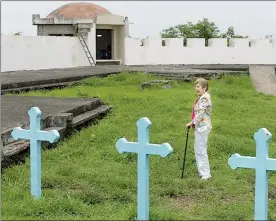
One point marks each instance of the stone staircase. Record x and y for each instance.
(64, 122)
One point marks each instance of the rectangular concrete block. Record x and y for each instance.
(153, 42)
(260, 43)
(132, 43)
(174, 42)
(196, 42)
(60, 120)
(217, 42)
(239, 42)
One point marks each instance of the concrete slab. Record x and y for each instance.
(14, 109)
(263, 78)
(41, 75)
(17, 81)
(62, 114)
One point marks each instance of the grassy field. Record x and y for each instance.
(86, 178)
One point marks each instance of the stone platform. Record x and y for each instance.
(46, 79)
(62, 114)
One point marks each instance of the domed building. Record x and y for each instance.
(99, 28)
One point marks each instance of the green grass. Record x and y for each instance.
(86, 178)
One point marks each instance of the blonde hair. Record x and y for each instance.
(203, 83)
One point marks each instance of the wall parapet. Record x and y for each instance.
(154, 51)
(41, 52)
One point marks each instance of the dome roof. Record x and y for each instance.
(80, 10)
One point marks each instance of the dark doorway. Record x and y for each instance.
(103, 44)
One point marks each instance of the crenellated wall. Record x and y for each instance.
(239, 51)
(48, 52)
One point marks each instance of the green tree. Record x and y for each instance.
(202, 29)
(206, 29)
(230, 33)
(171, 32)
(188, 29)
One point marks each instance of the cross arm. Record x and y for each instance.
(236, 160)
(19, 133)
(51, 136)
(159, 149)
(271, 164)
(123, 146)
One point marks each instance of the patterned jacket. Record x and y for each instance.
(202, 110)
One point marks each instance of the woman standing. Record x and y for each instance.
(201, 122)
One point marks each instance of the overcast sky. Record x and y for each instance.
(255, 19)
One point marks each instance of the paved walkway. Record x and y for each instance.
(263, 78)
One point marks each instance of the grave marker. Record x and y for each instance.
(35, 135)
(262, 164)
(143, 148)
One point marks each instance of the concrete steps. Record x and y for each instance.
(65, 122)
(108, 62)
(89, 115)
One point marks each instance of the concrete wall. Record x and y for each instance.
(217, 52)
(109, 19)
(121, 44)
(91, 41)
(45, 30)
(46, 52)
(41, 52)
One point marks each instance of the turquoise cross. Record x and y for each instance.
(143, 148)
(35, 135)
(261, 163)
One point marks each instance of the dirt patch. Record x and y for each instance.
(77, 188)
(181, 201)
(228, 198)
(272, 193)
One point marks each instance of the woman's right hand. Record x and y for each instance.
(188, 125)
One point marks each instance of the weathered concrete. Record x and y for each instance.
(15, 108)
(62, 114)
(263, 78)
(161, 83)
(260, 51)
(19, 79)
(26, 80)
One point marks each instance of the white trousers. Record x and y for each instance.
(200, 148)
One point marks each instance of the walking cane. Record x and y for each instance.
(184, 159)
